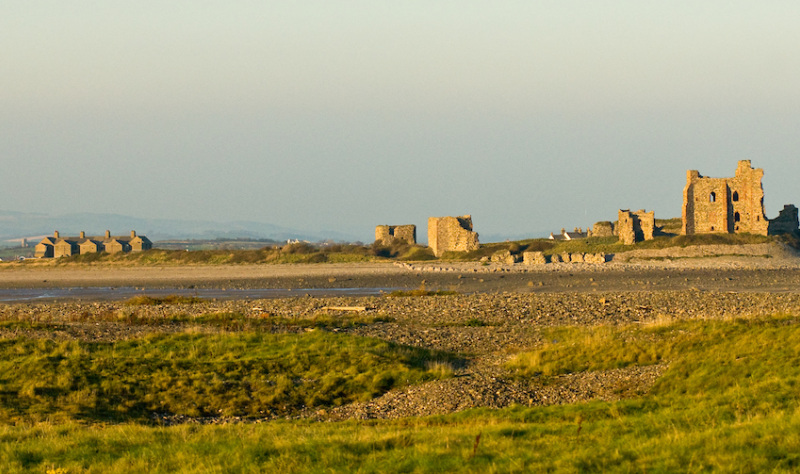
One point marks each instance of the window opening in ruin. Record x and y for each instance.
(737, 217)
(712, 227)
(735, 196)
(713, 197)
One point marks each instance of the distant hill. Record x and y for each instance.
(17, 225)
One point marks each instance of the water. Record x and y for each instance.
(22, 295)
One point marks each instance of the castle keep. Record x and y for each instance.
(451, 234)
(731, 205)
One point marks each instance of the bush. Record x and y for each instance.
(298, 247)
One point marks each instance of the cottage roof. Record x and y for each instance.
(48, 241)
(574, 235)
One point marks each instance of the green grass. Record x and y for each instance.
(729, 402)
(144, 300)
(247, 374)
(294, 253)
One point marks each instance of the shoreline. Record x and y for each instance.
(739, 274)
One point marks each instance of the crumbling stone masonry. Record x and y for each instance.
(389, 234)
(539, 258)
(635, 226)
(785, 223)
(504, 257)
(732, 205)
(602, 229)
(451, 234)
(533, 258)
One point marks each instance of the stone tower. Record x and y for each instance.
(727, 205)
(451, 234)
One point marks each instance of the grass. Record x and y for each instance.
(246, 374)
(728, 403)
(144, 300)
(293, 253)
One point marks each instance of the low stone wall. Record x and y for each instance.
(539, 258)
(504, 257)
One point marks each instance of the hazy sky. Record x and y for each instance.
(341, 115)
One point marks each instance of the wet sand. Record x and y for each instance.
(716, 275)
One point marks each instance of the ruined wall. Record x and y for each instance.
(635, 226)
(785, 223)
(602, 229)
(451, 234)
(732, 205)
(389, 234)
(539, 258)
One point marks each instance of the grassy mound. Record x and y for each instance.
(201, 375)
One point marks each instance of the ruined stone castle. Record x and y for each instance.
(390, 234)
(731, 205)
(635, 226)
(58, 246)
(451, 234)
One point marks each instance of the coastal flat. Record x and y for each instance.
(718, 274)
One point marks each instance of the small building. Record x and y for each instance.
(139, 243)
(66, 247)
(44, 249)
(91, 245)
(578, 233)
(117, 245)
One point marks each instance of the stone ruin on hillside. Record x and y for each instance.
(451, 234)
(786, 222)
(390, 234)
(602, 229)
(635, 226)
(731, 205)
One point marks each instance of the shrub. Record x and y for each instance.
(298, 247)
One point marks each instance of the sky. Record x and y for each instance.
(342, 115)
